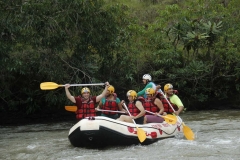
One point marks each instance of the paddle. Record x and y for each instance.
(71, 108)
(110, 111)
(171, 119)
(188, 133)
(140, 132)
(74, 109)
(52, 85)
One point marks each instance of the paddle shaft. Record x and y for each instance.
(74, 109)
(92, 84)
(186, 130)
(166, 118)
(153, 113)
(156, 114)
(53, 85)
(140, 132)
(167, 100)
(110, 111)
(129, 113)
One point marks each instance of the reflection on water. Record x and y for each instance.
(217, 137)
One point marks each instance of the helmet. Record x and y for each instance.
(167, 86)
(147, 77)
(132, 93)
(150, 91)
(84, 90)
(111, 89)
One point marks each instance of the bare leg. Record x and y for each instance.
(145, 120)
(125, 118)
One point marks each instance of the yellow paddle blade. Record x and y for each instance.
(71, 108)
(49, 85)
(171, 119)
(188, 133)
(141, 134)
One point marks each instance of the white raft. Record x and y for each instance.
(103, 131)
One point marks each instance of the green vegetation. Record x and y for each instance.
(192, 44)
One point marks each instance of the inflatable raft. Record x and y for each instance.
(102, 131)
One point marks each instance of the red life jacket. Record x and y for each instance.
(133, 109)
(168, 108)
(150, 106)
(110, 105)
(86, 108)
(158, 95)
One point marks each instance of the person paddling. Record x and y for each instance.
(173, 99)
(152, 104)
(110, 102)
(85, 102)
(135, 108)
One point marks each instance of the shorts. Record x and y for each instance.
(139, 120)
(154, 119)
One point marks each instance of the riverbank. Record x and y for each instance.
(61, 115)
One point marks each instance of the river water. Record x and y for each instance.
(217, 138)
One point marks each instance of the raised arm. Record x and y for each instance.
(99, 97)
(68, 94)
(142, 92)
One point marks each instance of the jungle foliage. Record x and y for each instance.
(192, 44)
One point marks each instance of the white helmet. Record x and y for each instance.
(147, 77)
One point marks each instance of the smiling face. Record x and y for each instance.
(169, 91)
(85, 95)
(85, 92)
